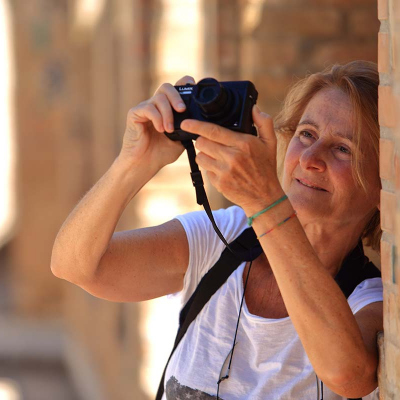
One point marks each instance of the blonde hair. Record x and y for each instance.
(359, 80)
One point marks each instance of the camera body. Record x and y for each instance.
(228, 104)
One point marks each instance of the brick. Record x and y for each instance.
(261, 55)
(392, 312)
(397, 280)
(394, 50)
(338, 4)
(396, 217)
(363, 22)
(335, 51)
(228, 54)
(388, 211)
(386, 107)
(392, 332)
(383, 11)
(397, 171)
(383, 52)
(386, 161)
(397, 291)
(392, 355)
(396, 370)
(275, 88)
(346, 3)
(386, 320)
(396, 11)
(381, 370)
(305, 22)
(386, 262)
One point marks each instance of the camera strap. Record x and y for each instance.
(243, 254)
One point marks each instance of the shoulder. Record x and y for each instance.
(367, 292)
(230, 221)
(205, 247)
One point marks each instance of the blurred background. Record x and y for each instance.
(69, 72)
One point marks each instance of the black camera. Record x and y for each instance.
(228, 104)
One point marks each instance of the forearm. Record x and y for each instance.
(84, 237)
(315, 303)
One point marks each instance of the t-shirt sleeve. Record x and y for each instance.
(205, 247)
(368, 291)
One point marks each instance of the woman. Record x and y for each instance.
(295, 321)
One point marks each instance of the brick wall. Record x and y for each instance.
(282, 40)
(389, 102)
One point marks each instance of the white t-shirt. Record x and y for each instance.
(269, 361)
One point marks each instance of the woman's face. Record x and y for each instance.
(318, 176)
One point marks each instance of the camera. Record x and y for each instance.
(228, 104)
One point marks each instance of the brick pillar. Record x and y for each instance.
(110, 73)
(41, 98)
(389, 101)
(221, 54)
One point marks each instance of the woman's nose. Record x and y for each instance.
(313, 158)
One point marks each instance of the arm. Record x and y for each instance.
(337, 343)
(341, 347)
(370, 321)
(127, 266)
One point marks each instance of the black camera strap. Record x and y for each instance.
(243, 254)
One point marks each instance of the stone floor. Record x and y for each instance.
(34, 380)
(31, 355)
(31, 361)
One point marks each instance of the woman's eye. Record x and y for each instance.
(306, 137)
(306, 134)
(343, 149)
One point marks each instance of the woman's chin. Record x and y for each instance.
(310, 207)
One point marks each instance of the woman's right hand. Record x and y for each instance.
(144, 139)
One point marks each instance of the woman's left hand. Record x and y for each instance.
(240, 166)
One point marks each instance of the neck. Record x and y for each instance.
(331, 243)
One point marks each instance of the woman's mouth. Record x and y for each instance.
(307, 184)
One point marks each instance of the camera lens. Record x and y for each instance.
(217, 103)
(210, 96)
(207, 94)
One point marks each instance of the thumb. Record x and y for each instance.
(264, 124)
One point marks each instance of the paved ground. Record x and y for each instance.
(35, 380)
(31, 355)
(31, 361)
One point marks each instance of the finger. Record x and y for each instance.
(211, 131)
(145, 113)
(185, 80)
(173, 96)
(264, 124)
(207, 163)
(209, 147)
(213, 178)
(163, 105)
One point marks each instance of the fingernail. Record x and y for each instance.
(170, 127)
(257, 109)
(181, 105)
